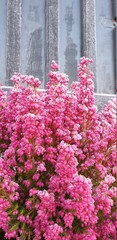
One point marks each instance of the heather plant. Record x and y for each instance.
(58, 160)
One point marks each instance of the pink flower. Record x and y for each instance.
(68, 219)
(58, 159)
(54, 65)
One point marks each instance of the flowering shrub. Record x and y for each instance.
(58, 160)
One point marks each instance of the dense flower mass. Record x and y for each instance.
(57, 160)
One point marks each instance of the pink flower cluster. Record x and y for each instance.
(57, 160)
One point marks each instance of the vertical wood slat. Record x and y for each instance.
(88, 33)
(13, 38)
(3, 23)
(51, 33)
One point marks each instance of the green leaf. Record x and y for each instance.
(77, 225)
(15, 226)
